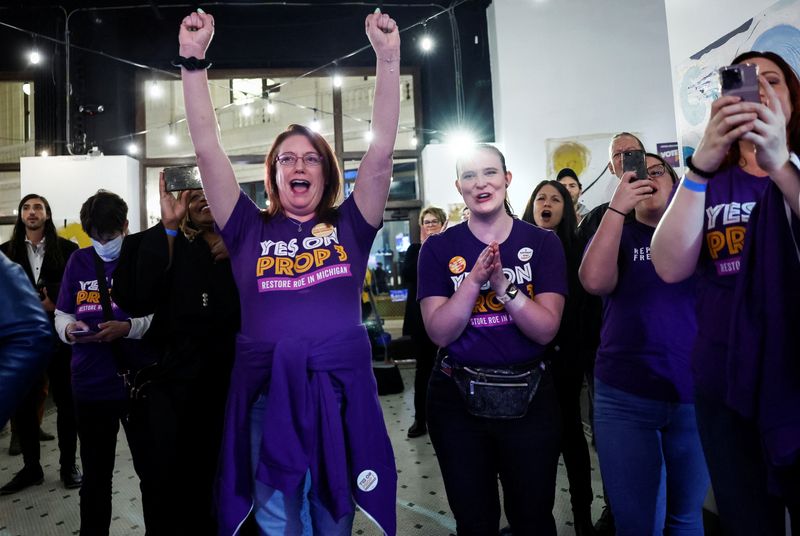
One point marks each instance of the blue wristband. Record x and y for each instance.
(693, 185)
(171, 232)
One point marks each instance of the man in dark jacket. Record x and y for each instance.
(43, 255)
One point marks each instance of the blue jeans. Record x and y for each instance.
(738, 472)
(289, 514)
(652, 463)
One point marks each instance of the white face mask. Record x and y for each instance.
(110, 250)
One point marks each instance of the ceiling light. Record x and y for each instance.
(34, 57)
(461, 141)
(154, 90)
(133, 148)
(426, 43)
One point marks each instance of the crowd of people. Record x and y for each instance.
(247, 324)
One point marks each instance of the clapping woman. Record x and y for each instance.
(492, 293)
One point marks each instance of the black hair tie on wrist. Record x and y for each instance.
(191, 63)
(699, 172)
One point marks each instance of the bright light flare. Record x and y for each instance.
(461, 142)
(154, 90)
(426, 44)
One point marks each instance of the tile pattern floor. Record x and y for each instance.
(422, 509)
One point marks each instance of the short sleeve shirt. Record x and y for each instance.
(298, 279)
(533, 259)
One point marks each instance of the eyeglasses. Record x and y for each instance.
(431, 222)
(290, 159)
(656, 171)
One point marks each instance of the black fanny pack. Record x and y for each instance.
(495, 393)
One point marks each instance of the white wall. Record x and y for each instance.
(562, 68)
(67, 181)
(693, 25)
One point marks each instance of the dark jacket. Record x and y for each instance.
(26, 339)
(412, 319)
(51, 273)
(195, 301)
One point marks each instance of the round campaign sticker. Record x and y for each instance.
(525, 254)
(457, 265)
(367, 480)
(322, 229)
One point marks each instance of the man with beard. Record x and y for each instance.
(43, 255)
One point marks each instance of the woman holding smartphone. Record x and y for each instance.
(492, 293)
(179, 270)
(303, 403)
(645, 430)
(745, 146)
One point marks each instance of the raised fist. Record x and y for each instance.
(197, 30)
(383, 35)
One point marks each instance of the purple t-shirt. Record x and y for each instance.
(533, 259)
(94, 369)
(730, 197)
(648, 326)
(298, 280)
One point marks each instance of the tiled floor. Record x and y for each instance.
(422, 507)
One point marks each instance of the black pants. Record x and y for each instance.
(568, 379)
(186, 425)
(26, 418)
(61, 389)
(26, 423)
(473, 451)
(425, 352)
(98, 425)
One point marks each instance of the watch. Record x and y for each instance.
(510, 293)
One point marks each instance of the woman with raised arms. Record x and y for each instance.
(303, 403)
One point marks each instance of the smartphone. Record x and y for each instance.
(82, 333)
(634, 161)
(740, 81)
(182, 178)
